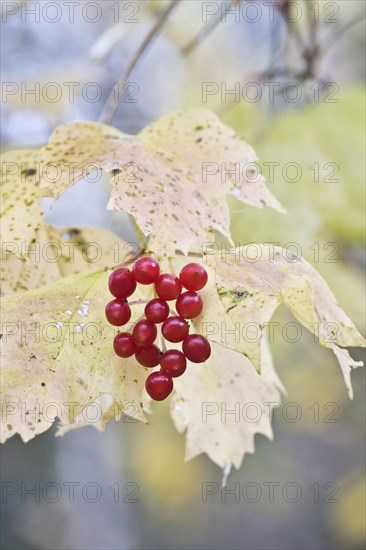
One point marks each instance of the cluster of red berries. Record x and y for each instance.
(175, 328)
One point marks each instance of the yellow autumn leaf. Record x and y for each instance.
(173, 177)
(34, 253)
(57, 253)
(58, 359)
(21, 209)
(247, 284)
(49, 356)
(224, 403)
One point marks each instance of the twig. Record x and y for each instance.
(293, 30)
(333, 38)
(206, 30)
(112, 105)
(130, 259)
(162, 342)
(313, 27)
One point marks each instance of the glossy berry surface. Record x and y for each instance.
(124, 345)
(168, 287)
(193, 276)
(146, 270)
(189, 305)
(157, 310)
(196, 348)
(159, 385)
(144, 333)
(140, 341)
(175, 329)
(148, 356)
(121, 283)
(118, 312)
(173, 362)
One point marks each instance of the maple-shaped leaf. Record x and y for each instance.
(245, 287)
(34, 253)
(173, 177)
(57, 359)
(224, 403)
(63, 367)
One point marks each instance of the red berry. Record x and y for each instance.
(122, 283)
(146, 270)
(144, 333)
(196, 348)
(156, 310)
(173, 362)
(193, 276)
(124, 345)
(148, 356)
(189, 305)
(175, 329)
(168, 287)
(118, 312)
(159, 385)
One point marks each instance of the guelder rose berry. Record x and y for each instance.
(146, 270)
(124, 345)
(196, 348)
(189, 305)
(144, 333)
(193, 276)
(175, 329)
(173, 362)
(148, 356)
(118, 312)
(168, 287)
(122, 283)
(159, 385)
(157, 310)
(140, 343)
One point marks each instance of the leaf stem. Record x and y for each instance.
(112, 105)
(139, 234)
(138, 302)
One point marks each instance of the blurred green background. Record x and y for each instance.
(323, 453)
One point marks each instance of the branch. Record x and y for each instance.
(111, 105)
(334, 37)
(206, 30)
